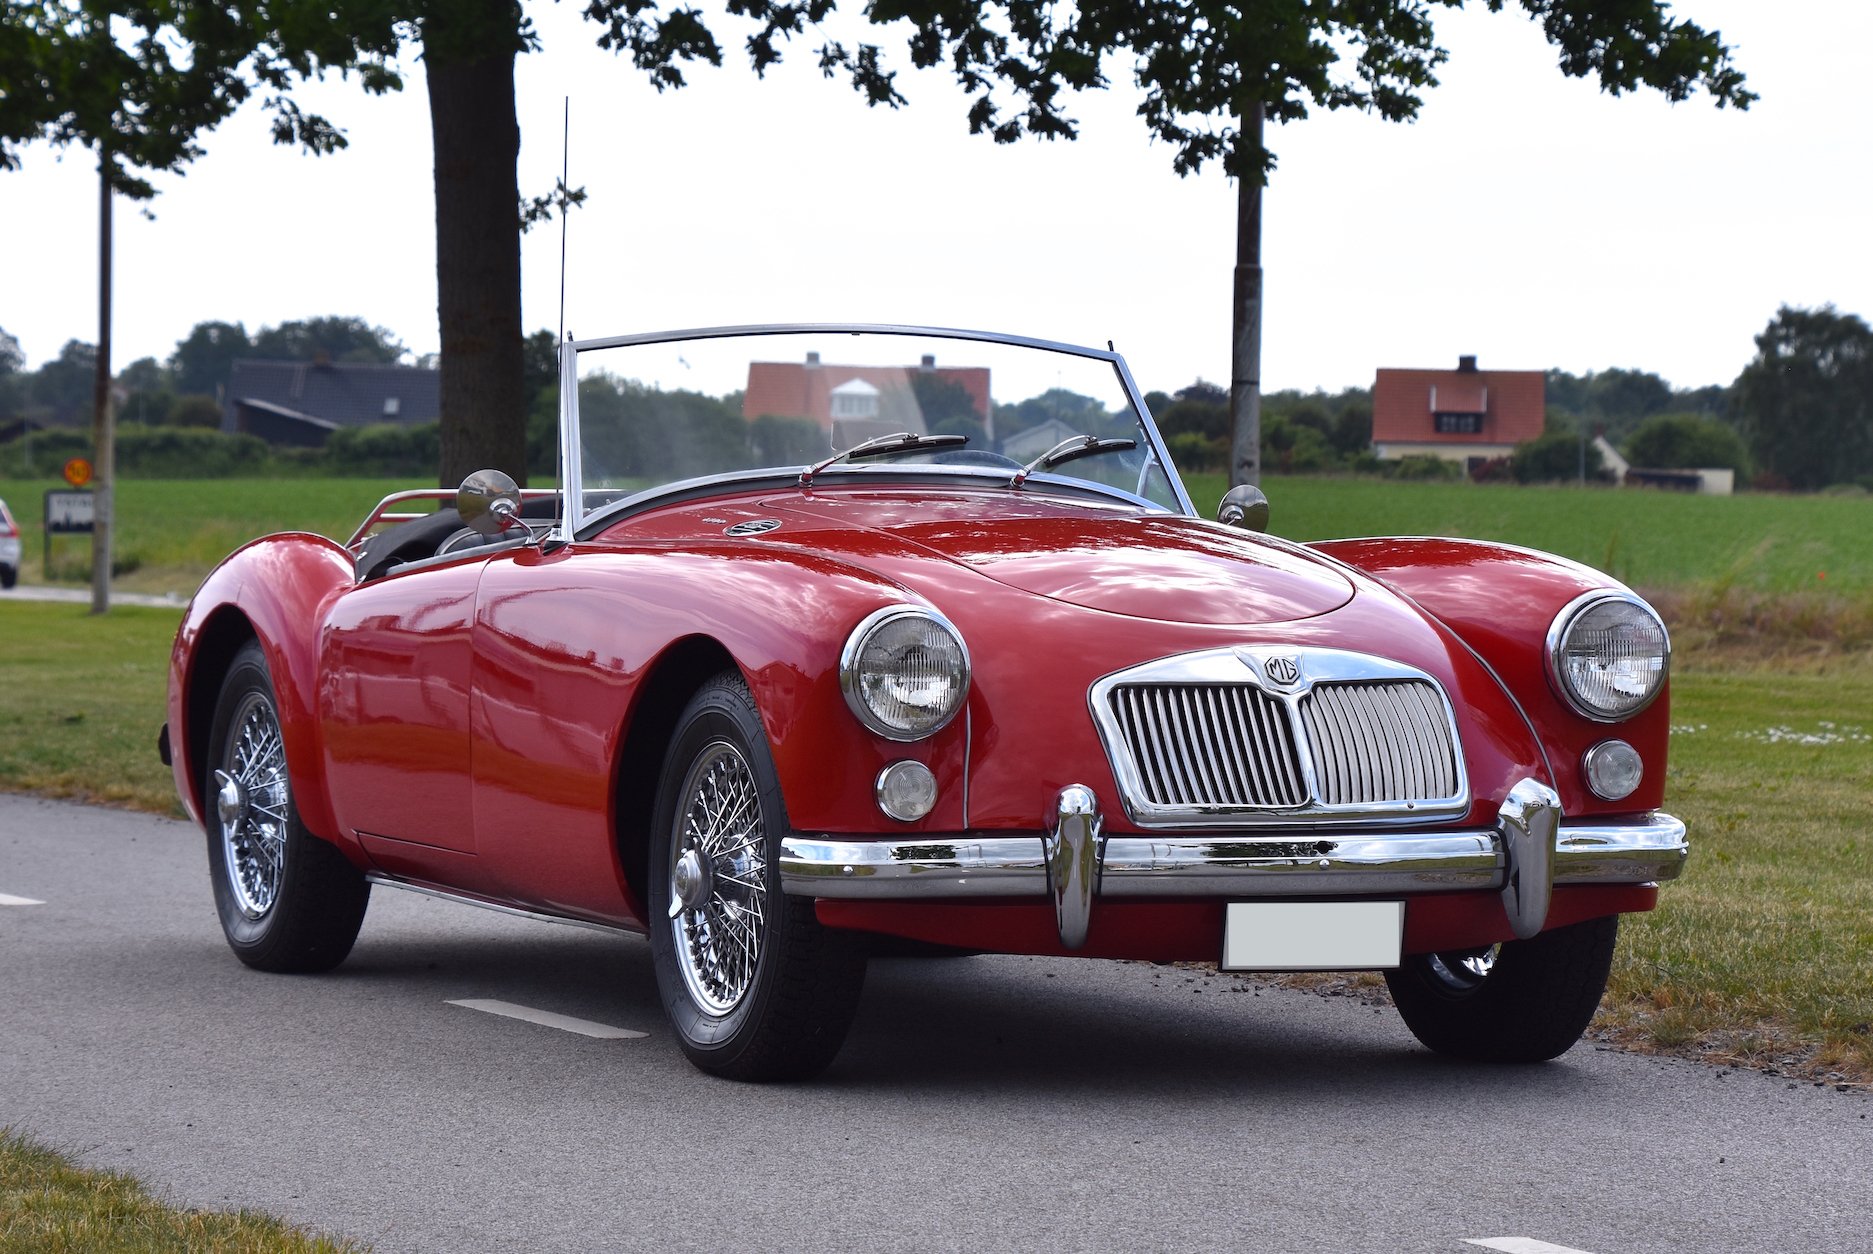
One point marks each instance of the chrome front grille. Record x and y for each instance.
(1379, 741)
(1258, 735)
(1211, 745)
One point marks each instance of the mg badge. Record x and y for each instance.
(1282, 670)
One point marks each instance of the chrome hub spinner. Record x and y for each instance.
(689, 882)
(231, 801)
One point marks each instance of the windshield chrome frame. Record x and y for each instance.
(573, 515)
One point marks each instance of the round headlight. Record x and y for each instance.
(1614, 769)
(1608, 653)
(904, 672)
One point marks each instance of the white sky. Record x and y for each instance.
(1524, 217)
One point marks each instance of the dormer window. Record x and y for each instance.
(392, 404)
(854, 398)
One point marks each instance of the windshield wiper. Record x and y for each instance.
(903, 441)
(1069, 450)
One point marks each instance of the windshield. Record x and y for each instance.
(655, 414)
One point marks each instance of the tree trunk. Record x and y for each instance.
(477, 147)
(103, 429)
(1245, 370)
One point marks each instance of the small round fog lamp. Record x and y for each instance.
(1613, 769)
(906, 791)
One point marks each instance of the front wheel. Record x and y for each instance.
(755, 987)
(1523, 1001)
(288, 901)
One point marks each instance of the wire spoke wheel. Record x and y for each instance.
(718, 877)
(253, 804)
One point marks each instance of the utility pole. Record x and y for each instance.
(103, 429)
(1245, 368)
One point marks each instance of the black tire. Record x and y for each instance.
(8, 576)
(1529, 1004)
(296, 903)
(784, 1015)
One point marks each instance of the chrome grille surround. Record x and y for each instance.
(1213, 739)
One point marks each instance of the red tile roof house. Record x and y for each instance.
(1465, 415)
(853, 403)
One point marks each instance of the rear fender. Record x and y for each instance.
(277, 590)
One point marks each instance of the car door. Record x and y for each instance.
(557, 657)
(395, 656)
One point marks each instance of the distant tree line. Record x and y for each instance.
(1800, 416)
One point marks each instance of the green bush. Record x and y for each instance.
(384, 450)
(145, 453)
(1194, 453)
(800, 441)
(1553, 458)
(1423, 466)
(193, 411)
(1687, 441)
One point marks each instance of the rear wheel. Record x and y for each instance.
(8, 576)
(288, 901)
(1523, 1001)
(755, 987)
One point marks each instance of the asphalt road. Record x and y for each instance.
(980, 1103)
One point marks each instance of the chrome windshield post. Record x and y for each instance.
(1530, 818)
(1075, 852)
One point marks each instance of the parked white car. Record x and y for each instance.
(9, 548)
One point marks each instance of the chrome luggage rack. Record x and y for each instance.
(380, 516)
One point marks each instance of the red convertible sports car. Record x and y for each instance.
(838, 633)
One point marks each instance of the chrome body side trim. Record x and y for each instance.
(465, 899)
(937, 866)
(1531, 818)
(1074, 848)
(1249, 664)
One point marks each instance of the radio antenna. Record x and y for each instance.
(565, 169)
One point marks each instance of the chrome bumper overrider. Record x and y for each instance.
(1249, 864)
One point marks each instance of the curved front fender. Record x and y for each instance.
(276, 589)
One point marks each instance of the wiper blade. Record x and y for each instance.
(903, 441)
(1069, 450)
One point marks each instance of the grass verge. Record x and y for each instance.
(82, 701)
(50, 1206)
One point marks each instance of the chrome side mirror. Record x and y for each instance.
(489, 502)
(1244, 507)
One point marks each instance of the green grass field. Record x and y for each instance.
(175, 531)
(1649, 539)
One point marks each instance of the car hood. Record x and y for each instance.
(1149, 566)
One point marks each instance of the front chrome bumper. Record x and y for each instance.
(1214, 864)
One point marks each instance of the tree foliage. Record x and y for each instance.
(139, 81)
(1688, 441)
(332, 338)
(1805, 404)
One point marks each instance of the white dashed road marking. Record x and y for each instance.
(1521, 1245)
(8, 899)
(565, 1023)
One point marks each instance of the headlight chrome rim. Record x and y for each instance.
(1557, 637)
(850, 656)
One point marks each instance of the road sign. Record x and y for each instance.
(68, 513)
(78, 473)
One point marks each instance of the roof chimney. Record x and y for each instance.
(1466, 365)
(812, 360)
(929, 361)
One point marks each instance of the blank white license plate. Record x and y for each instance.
(1312, 935)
